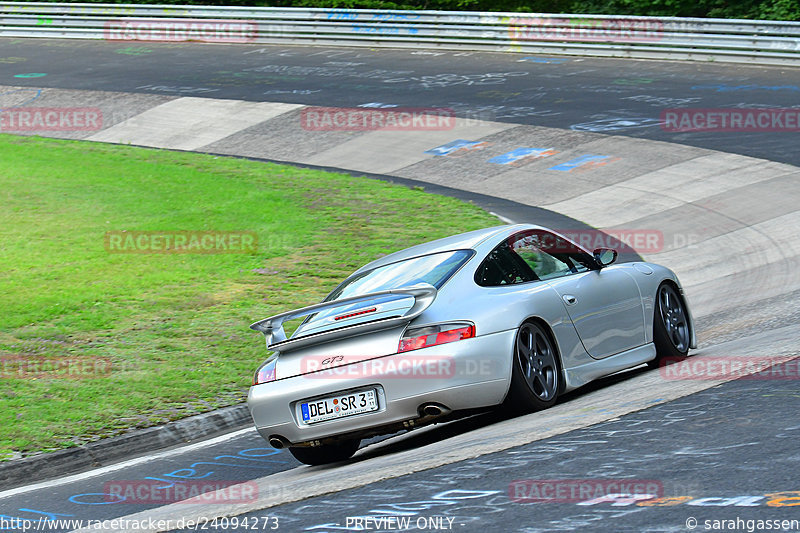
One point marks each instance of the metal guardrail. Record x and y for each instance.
(743, 41)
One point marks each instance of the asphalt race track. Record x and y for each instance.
(611, 96)
(726, 205)
(492, 490)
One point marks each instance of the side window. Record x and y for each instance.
(543, 264)
(503, 267)
(550, 256)
(531, 255)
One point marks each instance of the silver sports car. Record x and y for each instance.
(512, 314)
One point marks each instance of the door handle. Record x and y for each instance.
(569, 299)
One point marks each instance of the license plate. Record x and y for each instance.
(339, 406)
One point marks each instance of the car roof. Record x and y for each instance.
(463, 241)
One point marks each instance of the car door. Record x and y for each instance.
(604, 304)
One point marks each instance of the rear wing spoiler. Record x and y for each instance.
(272, 327)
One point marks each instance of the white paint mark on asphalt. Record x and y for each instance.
(502, 218)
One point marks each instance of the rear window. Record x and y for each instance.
(434, 269)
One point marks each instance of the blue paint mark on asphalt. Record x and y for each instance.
(453, 146)
(50, 516)
(102, 500)
(579, 162)
(548, 60)
(735, 88)
(30, 75)
(23, 104)
(520, 153)
(183, 474)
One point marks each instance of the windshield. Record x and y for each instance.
(434, 269)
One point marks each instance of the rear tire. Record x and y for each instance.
(536, 372)
(326, 453)
(671, 334)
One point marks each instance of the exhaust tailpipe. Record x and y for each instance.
(277, 443)
(433, 409)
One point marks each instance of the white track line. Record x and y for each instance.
(125, 464)
(502, 218)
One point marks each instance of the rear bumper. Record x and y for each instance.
(466, 374)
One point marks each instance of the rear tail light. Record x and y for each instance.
(427, 336)
(265, 373)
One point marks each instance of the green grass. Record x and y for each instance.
(172, 326)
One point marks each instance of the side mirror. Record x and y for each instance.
(605, 256)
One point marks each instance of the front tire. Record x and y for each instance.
(671, 334)
(326, 453)
(536, 375)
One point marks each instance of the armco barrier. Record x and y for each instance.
(743, 41)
